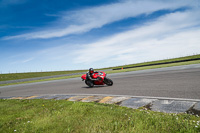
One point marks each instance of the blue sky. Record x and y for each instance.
(74, 34)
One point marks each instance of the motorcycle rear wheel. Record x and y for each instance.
(108, 81)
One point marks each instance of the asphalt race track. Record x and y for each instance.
(171, 82)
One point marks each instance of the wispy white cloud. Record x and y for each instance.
(27, 60)
(80, 21)
(172, 35)
(22, 61)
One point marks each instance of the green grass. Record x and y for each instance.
(41, 80)
(159, 61)
(77, 117)
(14, 76)
(156, 66)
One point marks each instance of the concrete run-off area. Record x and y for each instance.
(155, 104)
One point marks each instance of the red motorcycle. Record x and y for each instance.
(102, 79)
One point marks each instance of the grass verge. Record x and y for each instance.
(109, 72)
(156, 66)
(160, 61)
(65, 116)
(14, 76)
(42, 80)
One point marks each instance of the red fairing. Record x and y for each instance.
(83, 76)
(100, 74)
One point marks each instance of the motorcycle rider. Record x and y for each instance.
(89, 77)
(90, 73)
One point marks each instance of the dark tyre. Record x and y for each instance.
(108, 81)
(89, 83)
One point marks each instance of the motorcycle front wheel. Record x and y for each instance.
(89, 83)
(108, 81)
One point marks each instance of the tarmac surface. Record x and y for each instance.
(171, 90)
